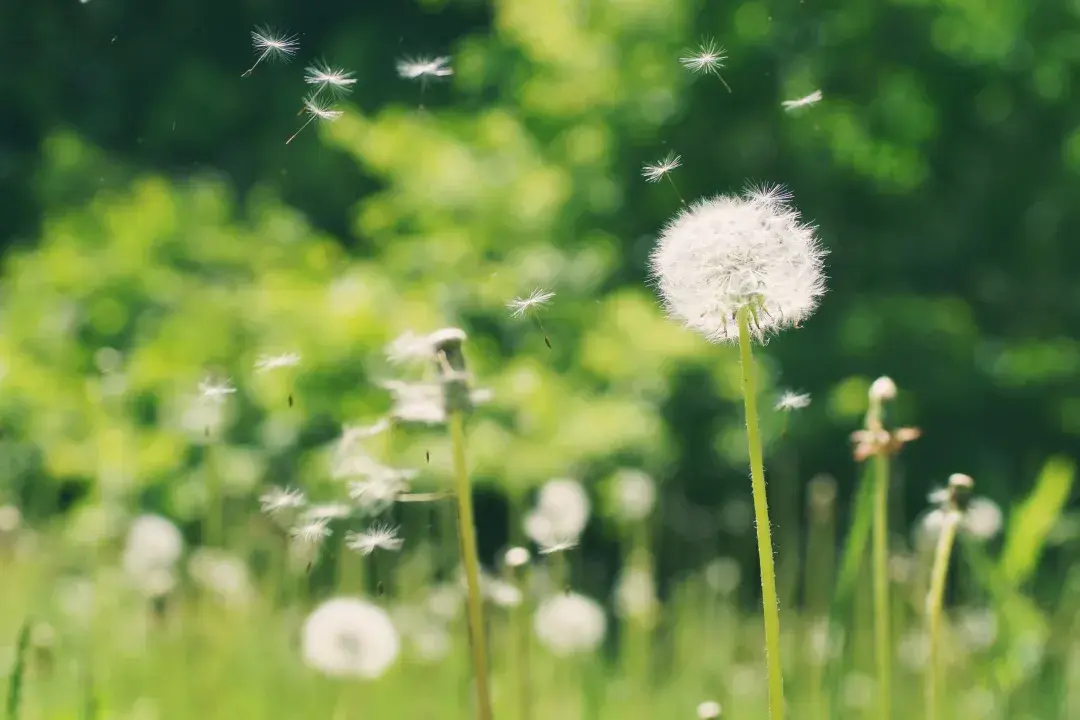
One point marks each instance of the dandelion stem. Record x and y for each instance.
(471, 561)
(934, 602)
(882, 634)
(293, 137)
(761, 514)
(215, 513)
(18, 672)
(259, 60)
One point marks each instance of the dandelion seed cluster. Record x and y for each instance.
(739, 251)
(348, 637)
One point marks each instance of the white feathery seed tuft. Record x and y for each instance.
(222, 574)
(422, 68)
(569, 623)
(216, 391)
(805, 101)
(277, 499)
(736, 251)
(707, 59)
(519, 307)
(635, 494)
(151, 551)
(377, 537)
(656, 171)
(271, 45)
(790, 400)
(347, 637)
(324, 77)
(311, 532)
(265, 363)
(316, 110)
(708, 710)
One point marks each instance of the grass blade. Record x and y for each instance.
(18, 672)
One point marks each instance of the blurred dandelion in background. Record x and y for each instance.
(348, 637)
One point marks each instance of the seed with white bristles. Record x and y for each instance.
(655, 172)
(272, 46)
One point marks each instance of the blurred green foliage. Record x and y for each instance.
(159, 230)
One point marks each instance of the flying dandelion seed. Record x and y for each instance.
(324, 77)
(214, 391)
(377, 537)
(422, 68)
(278, 499)
(658, 171)
(311, 533)
(792, 401)
(272, 46)
(266, 363)
(708, 59)
(806, 101)
(520, 307)
(317, 111)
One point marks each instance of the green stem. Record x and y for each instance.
(934, 600)
(470, 559)
(761, 515)
(215, 512)
(882, 634)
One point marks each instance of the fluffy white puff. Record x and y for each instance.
(732, 251)
(347, 637)
(569, 623)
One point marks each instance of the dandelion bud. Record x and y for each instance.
(883, 389)
(733, 252)
(709, 710)
(450, 362)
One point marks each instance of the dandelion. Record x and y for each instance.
(658, 171)
(750, 260)
(377, 537)
(708, 58)
(216, 391)
(266, 363)
(516, 557)
(221, 574)
(272, 46)
(324, 77)
(382, 487)
(423, 68)
(151, 550)
(635, 594)
(635, 495)
(502, 593)
(549, 536)
(708, 710)
(520, 307)
(569, 623)
(317, 111)
(792, 401)
(346, 637)
(409, 347)
(278, 499)
(980, 519)
(730, 253)
(311, 533)
(806, 101)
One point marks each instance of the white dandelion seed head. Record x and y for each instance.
(709, 710)
(655, 172)
(409, 347)
(420, 68)
(502, 593)
(216, 391)
(805, 101)
(377, 537)
(151, 551)
(569, 623)
(265, 363)
(982, 519)
(274, 45)
(549, 533)
(635, 594)
(311, 533)
(323, 76)
(731, 252)
(516, 557)
(347, 637)
(221, 574)
(635, 495)
(790, 400)
(708, 58)
(566, 503)
(521, 306)
(446, 335)
(883, 389)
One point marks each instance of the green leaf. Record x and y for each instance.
(1033, 520)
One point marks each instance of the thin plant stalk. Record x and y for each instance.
(820, 570)
(18, 672)
(521, 639)
(471, 561)
(770, 602)
(882, 631)
(934, 601)
(215, 512)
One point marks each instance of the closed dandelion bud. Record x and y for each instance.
(883, 389)
(450, 361)
(732, 252)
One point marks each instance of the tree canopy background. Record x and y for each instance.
(151, 208)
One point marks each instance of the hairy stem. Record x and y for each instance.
(471, 561)
(934, 602)
(882, 632)
(769, 599)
